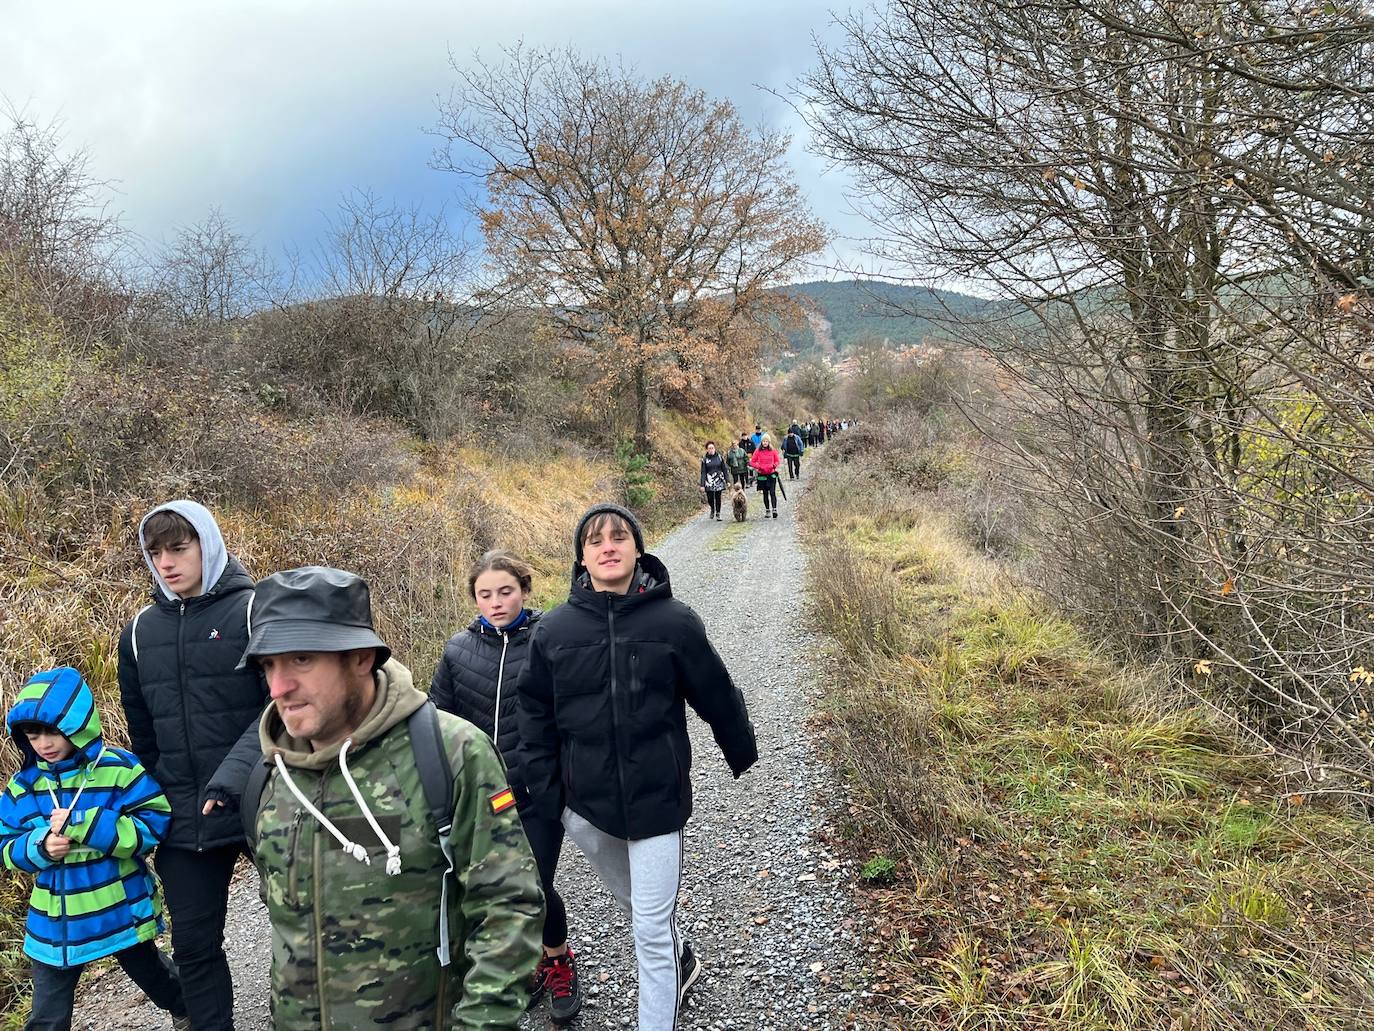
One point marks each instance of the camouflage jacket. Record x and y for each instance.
(353, 947)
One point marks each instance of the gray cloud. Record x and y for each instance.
(272, 110)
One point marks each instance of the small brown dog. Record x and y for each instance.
(739, 504)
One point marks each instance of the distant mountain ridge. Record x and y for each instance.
(848, 310)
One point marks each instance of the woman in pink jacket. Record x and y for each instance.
(765, 462)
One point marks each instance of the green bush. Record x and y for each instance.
(879, 870)
(638, 480)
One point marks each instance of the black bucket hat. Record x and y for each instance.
(311, 609)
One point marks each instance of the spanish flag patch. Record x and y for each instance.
(502, 800)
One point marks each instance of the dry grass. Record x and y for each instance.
(1076, 848)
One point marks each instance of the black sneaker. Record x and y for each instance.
(775, 513)
(690, 968)
(565, 988)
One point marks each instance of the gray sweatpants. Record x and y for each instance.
(644, 876)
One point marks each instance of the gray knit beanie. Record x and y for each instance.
(613, 509)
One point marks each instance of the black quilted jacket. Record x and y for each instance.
(603, 707)
(193, 718)
(479, 666)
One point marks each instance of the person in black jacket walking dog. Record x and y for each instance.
(476, 680)
(715, 477)
(603, 722)
(193, 723)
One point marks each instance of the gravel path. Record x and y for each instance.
(764, 903)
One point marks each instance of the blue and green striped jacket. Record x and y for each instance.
(101, 898)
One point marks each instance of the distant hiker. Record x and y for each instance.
(738, 461)
(793, 448)
(757, 436)
(765, 462)
(747, 443)
(81, 816)
(191, 715)
(715, 477)
(476, 680)
(602, 714)
(820, 431)
(387, 905)
(794, 428)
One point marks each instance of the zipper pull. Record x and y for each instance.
(183, 608)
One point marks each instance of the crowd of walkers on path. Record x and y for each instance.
(406, 843)
(752, 460)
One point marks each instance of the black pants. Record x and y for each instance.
(196, 887)
(54, 988)
(740, 476)
(768, 485)
(713, 500)
(546, 841)
(793, 466)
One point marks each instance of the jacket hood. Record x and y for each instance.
(58, 698)
(213, 556)
(649, 584)
(397, 697)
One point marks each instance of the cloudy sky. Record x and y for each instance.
(273, 110)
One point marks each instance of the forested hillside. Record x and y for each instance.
(867, 308)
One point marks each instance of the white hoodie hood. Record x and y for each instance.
(213, 556)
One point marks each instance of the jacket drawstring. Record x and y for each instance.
(393, 852)
(84, 781)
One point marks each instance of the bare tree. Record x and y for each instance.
(642, 218)
(381, 319)
(812, 381)
(1178, 198)
(56, 225)
(211, 273)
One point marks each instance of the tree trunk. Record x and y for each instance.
(641, 408)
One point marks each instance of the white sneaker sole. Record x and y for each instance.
(692, 976)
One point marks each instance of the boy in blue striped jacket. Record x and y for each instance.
(81, 816)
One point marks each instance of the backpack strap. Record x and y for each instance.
(133, 630)
(436, 781)
(251, 800)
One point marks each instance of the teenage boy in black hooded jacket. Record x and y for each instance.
(193, 718)
(604, 729)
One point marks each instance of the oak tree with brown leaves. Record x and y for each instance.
(641, 218)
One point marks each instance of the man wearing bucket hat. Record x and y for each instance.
(366, 927)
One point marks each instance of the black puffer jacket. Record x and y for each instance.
(476, 680)
(192, 717)
(602, 707)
